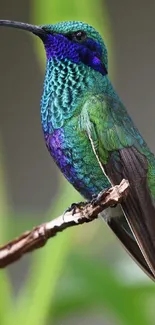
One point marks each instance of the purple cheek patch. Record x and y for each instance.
(98, 65)
(89, 52)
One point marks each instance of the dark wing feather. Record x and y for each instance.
(129, 243)
(138, 206)
(114, 140)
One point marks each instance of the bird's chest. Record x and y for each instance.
(63, 86)
(72, 152)
(69, 147)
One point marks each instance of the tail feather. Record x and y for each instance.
(138, 207)
(129, 243)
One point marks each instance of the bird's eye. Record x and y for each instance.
(78, 36)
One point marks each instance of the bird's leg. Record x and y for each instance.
(94, 199)
(97, 197)
(75, 206)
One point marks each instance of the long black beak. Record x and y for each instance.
(37, 30)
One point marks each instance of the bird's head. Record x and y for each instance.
(74, 41)
(78, 42)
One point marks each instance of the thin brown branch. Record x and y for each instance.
(38, 236)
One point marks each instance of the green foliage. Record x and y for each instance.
(64, 277)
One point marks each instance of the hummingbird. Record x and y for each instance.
(90, 134)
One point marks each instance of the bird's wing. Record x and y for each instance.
(122, 231)
(122, 153)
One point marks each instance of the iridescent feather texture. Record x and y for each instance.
(90, 135)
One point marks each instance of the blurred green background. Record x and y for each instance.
(83, 275)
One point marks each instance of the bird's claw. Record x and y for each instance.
(114, 205)
(75, 206)
(96, 199)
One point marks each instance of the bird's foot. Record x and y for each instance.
(114, 205)
(96, 199)
(75, 206)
